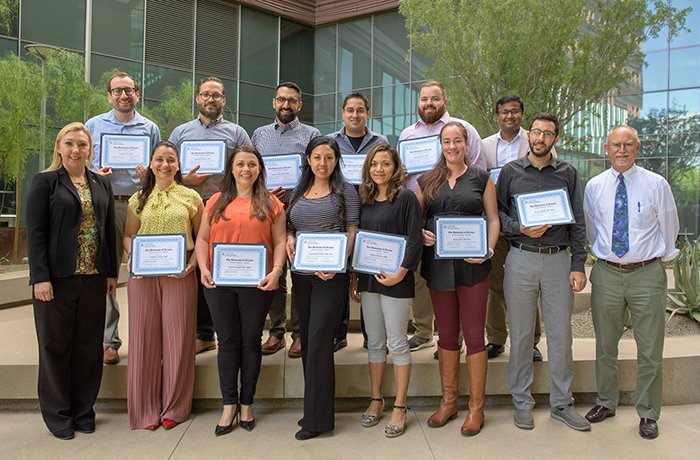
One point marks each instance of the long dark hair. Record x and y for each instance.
(150, 181)
(433, 179)
(262, 206)
(337, 180)
(368, 189)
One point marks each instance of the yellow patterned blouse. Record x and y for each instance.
(168, 211)
(88, 234)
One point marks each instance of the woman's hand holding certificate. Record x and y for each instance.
(320, 253)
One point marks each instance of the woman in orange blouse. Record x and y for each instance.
(242, 212)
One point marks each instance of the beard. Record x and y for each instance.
(212, 113)
(286, 117)
(431, 118)
(542, 153)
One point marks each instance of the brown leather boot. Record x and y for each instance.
(449, 380)
(476, 370)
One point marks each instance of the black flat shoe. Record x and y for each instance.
(303, 435)
(66, 434)
(247, 424)
(85, 429)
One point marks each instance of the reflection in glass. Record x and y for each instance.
(390, 49)
(55, 23)
(250, 122)
(354, 58)
(158, 78)
(117, 28)
(256, 100)
(655, 73)
(296, 54)
(685, 67)
(258, 47)
(324, 60)
(102, 67)
(686, 100)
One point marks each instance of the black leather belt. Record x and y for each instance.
(539, 249)
(632, 266)
(121, 197)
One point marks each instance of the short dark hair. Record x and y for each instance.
(544, 116)
(356, 95)
(215, 80)
(429, 83)
(290, 85)
(507, 99)
(120, 74)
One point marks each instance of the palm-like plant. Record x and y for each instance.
(686, 297)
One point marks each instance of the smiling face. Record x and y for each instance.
(355, 115)
(454, 145)
(164, 163)
(382, 168)
(322, 161)
(74, 148)
(246, 169)
(123, 103)
(288, 109)
(208, 91)
(431, 104)
(622, 147)
(542, 137)
(509, 117)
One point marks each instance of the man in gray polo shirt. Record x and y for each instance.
(284, 136)
(209, 125)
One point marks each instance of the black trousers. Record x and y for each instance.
(239, 317)
(69, 330)
(320, 306)
(205, 326)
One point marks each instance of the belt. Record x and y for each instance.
(632, 266)
(539, 249)
(121, 197)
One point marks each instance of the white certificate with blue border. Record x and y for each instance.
(282, 170)
(419, 154)
(210, 155)
(158, 255)
(351, 165)
(238, 264)
(461, 237)
(321, 252)
(546, 207)
(495, 172)
(375, 252)
(124, 151)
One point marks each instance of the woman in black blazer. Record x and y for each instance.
(72, 265)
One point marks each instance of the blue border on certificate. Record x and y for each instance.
(137, 240)
(374, 269)
(352, 159)
(560, 194)
(444, 253)
(219, 144)
(495, 172)
(219, 249)
(105, 140)
(421, 167)
(337, 266)
(292, 182)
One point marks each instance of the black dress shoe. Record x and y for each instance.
(66, 434)
(648, 429)
(86, 429)
(247, 424)
(222, 430)
(338, 344)
(536, 354)
(599, 413)
(303, 435)
(494, 350)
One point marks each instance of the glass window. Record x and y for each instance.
(391, 45)
(692, 22)
(296, 55)
(307, 115)
(326, 128)
(686, 100)
(652, 103)
(102, 67)
(355, 55)
(391, 100)
(655, 73)
(325, 109)
(685, 67)
(54, 23)
(419, 63)
(259, 32)
(256, 100)
(653, 146)
(158, 78)
(117, 28)
(9, 26)
(7, 46)
(324, 60)
(250, 122)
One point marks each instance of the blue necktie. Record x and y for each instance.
(620, 233)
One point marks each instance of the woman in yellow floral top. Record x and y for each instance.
(162, 308)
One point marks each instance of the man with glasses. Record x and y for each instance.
(354, 138)
(632, 225)
(539, 267)
(209, 125)
(286, 135)
(508, 144)
(123, 94)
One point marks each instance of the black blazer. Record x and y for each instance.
(53, 221)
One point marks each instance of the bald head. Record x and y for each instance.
(622, 147)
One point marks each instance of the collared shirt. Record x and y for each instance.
(124, 182)
(421, 129)
(220, 129)
(346, 148)
(275, 139)
(653, 219)
(521, 176)
(507, 151)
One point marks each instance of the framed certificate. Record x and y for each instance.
(375, 252)
(546, 207)
(209, 155)
(158, 255)
(124, 151)
(461, 237)
(351, 165)
(495, 172)
(283, 170)
(419, 154)
(238, 264)
(321, 252)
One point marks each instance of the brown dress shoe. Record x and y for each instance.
(204, 345)
(648, 429)
(273, 345)
(110, 356)
(599, 413)
(295, 349)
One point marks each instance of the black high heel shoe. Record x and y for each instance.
(222, 430)
(247, 424)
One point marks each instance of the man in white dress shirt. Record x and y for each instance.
(632, 225)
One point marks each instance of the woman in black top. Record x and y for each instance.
(458, 288)
(388, 207)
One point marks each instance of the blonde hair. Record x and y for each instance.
(56, 161)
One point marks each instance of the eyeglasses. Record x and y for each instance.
(116, 92)
(539, 132)
(629, 145)
(292, 100)
(359, 111)
(214, 97)
(513, 112)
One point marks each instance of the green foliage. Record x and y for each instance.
(9, 10)
(174, 110)
(687, 274)
(559, 56)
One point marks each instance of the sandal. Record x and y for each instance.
(370, 420)
(393, 431)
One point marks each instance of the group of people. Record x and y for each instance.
(83, 215)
